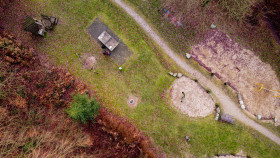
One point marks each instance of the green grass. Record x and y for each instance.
(144, 75)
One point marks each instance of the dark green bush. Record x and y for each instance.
(83, 108)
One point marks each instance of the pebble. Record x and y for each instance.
(175, 74)
(213, 26)
(179, 75)
(259, 117)
(188, 55)
(218, 110)
(217, 117)
(170, 73)
(242, 106)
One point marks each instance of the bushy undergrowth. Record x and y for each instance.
(24, 81)
(83, 108)
(39, 132)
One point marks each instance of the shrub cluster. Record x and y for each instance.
(117, 126)
(83, 108)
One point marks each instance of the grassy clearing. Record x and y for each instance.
(145, 75)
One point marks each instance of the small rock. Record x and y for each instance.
(179, 75)
(170, 73)
(259, 117)
(120, 68)
(241, 102)
(213, 26)
(188, 55)
(175, 74)
(275, 120)
(239, 96)
(218, 110)
(242, 106)
(217, 117)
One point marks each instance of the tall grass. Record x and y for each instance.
(237, 10)
(39, 133)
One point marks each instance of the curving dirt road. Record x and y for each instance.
(228, 105)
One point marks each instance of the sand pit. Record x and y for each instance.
(132, 101)
(196, 103)
(242, 69)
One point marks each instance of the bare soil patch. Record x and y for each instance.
(195, 102)
(88, 61)
(241, 68)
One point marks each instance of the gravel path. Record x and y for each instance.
(228, 105)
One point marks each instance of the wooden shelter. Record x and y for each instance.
(34, 26)
(108, 40)
(39, 27)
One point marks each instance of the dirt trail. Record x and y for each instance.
(228, 105)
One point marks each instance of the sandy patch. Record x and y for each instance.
(242, 69)
(132, 101)
(196, 103)
(88, 61)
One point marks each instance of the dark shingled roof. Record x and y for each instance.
(30, 25)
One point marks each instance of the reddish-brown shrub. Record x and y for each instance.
(125, 129)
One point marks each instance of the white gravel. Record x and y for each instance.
(196, 103)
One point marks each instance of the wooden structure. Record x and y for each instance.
(227, 118)
(34, 26)
(39, 27)
(108, 40)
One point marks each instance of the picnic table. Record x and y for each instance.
(108, 40)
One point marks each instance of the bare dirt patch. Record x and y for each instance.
(88, 61)
(242, 69)
(196, 103)
(132, 101)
